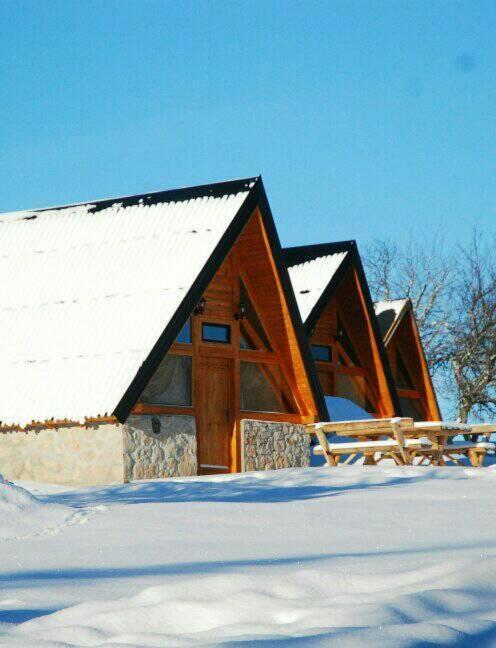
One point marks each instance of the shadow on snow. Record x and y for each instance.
(244, 489)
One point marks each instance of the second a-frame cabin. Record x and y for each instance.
(338, 316)
(151, 336)
(407, 359)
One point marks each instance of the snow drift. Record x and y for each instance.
(360, 557)
(23, 514)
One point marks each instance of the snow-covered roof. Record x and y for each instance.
(87, 290)
(389, 313)
(311, 277)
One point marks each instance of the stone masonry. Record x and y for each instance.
(266, 445)
(71, 455)
(159, 446)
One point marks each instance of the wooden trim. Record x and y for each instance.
(265, 357)
(60, 423)
(339, 368)
(409, 393)
(220, 350)
(253, 334)
(431, 406)
(144, 408)
(277, 417)
(235, 446)
(300, 401)
(385, 404)
(180, 349)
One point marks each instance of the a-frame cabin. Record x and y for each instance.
(242, 345)
(407, 359)
(338, 316)
(170, 306)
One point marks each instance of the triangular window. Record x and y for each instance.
(253, 335)
(263, 388)
(344, 339)
(184, 336)
(403, 379)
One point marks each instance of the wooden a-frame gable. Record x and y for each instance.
(340, 324)
(239, 350)
(407, 360)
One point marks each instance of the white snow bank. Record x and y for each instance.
(379, 556)
(23, 514)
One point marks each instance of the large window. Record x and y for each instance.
(170, 384)
(412, 407)
(352, 388)
(263, 388)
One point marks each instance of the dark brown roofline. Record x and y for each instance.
(152, 197)
(297, 255)
(407, 307)
(255, 198)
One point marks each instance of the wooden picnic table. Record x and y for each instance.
(406, 439)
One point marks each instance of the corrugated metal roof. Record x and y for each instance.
(86, 291)
(311, 278)
(388, 312)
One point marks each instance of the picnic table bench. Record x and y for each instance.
(406, 441)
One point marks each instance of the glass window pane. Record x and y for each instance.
(185, 333)
(403, 379)
(347, 344)
(252, 317)
(216, 333)
(412, 407)
(245, 342)
(170, 384)
(352, 388)
(263, 388)
(321, 352)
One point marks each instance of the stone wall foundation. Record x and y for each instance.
(159, 446)
(266, 445)
(73, 456)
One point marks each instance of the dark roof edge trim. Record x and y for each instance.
(377, 334)
(353, 258)
(329, 291)
(168, 195)
(304, 346)
(191, 299)
(407, 306)
(302, 253)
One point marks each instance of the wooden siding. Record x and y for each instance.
(251, 261)
(348, 306)
(405, 342)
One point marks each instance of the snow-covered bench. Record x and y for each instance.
(474, 451)
(373, 451)
(406, 441)
(376, 451)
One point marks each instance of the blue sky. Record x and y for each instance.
(366, 119)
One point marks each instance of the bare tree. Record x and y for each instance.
(470, 359)
(454, 298)
(421, 272)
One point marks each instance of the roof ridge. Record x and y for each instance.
(302, 253)
(225, 187)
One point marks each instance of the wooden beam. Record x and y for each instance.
(162, 410)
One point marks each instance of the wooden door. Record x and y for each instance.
(215, 416)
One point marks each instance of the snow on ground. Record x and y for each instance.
(355, 556)
(22, 515)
